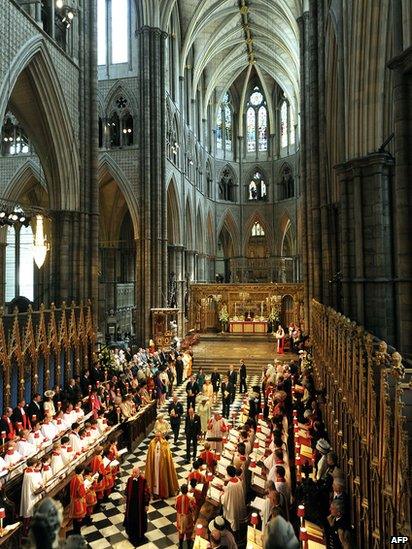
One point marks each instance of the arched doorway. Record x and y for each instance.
(224, 253)
(117, 261)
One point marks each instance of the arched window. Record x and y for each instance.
(257, 229)
(224, 125)
(13, 139)
(284, 125)
(127, 130)
(227, 186)
(291, 127)
(256, 122)
(114, 130)
(113, 31)
(19, 263)
(257, 187)
(287, 184)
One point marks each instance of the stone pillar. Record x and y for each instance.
(152, 273)
(366, 243)
(2, 272)
(401, 66)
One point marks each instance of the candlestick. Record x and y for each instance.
(2, 516)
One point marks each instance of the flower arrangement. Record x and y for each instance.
(223, 314)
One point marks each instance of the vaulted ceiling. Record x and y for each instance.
(229, 36)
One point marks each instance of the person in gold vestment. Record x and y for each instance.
(160, 470)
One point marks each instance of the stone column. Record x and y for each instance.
(401, 66)
(152, 273)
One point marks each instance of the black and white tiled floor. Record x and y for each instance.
(107, 530)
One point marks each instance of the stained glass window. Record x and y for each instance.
(251, 129)
(257, 187)
(256, 122)
(224, 125)
(257, 229)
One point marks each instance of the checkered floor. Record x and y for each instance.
(107, 530)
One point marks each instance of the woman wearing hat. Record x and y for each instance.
(203, 410)
(161, 426)
(323, 447)
(48, 404)
(208, 389)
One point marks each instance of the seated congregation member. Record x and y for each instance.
(115, 416)
(137, 502)
(339, 494)
(233, 500)
(160, 470)
(128, 407)
(185, 508)
(30, 490)
(220, 525)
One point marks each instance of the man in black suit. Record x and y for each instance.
(242, 377)
(226, 391)
(175, 410)
(179, 369)
(232, 377)
(193, 430)
(192, 389)
(35, 409)
(73, 392)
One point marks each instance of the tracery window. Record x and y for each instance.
(113, 31)
(256, 122)
(224, 125)
(120, 124)
(257, 187)
(287, 184)
(227, 186)
(19, 263)
(257, 229)
(284, 125)
(13, 139)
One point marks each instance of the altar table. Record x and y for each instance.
(248, 327)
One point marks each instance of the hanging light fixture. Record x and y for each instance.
(40, 245)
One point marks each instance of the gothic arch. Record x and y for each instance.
(288, 244)
(45, 119)
(173, 214)
(189, 240)
(18, 184)
(210, 243)
(227, 184)
(228, 223)
(108, 167)
(257, 217)
(200, 241)
(120, 88)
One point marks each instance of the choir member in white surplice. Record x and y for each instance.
(49, 429)
(31, 488)
(46, 470)
(24, 447)
(35, 436)
(12, 455)
(74, 439)
(57, 462)
(217, 428)
(233, 500)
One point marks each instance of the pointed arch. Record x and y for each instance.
(288, 244)
(189, 240)
(45, 119)
(173, 213)
(118, 89)
(17, 185)
(200, 240)
(227, 183)
(108, 167)
(229, 224)
(256, 217)
(210, 242)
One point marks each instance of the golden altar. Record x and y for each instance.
(248, 307)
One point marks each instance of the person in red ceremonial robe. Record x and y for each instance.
(78, 507)
(137, 501)
(185, 508)
(6, 424)
(91, 498)
(280, 338)
(19, 417)
(97, 466)
(208, 457)
(94, 403)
